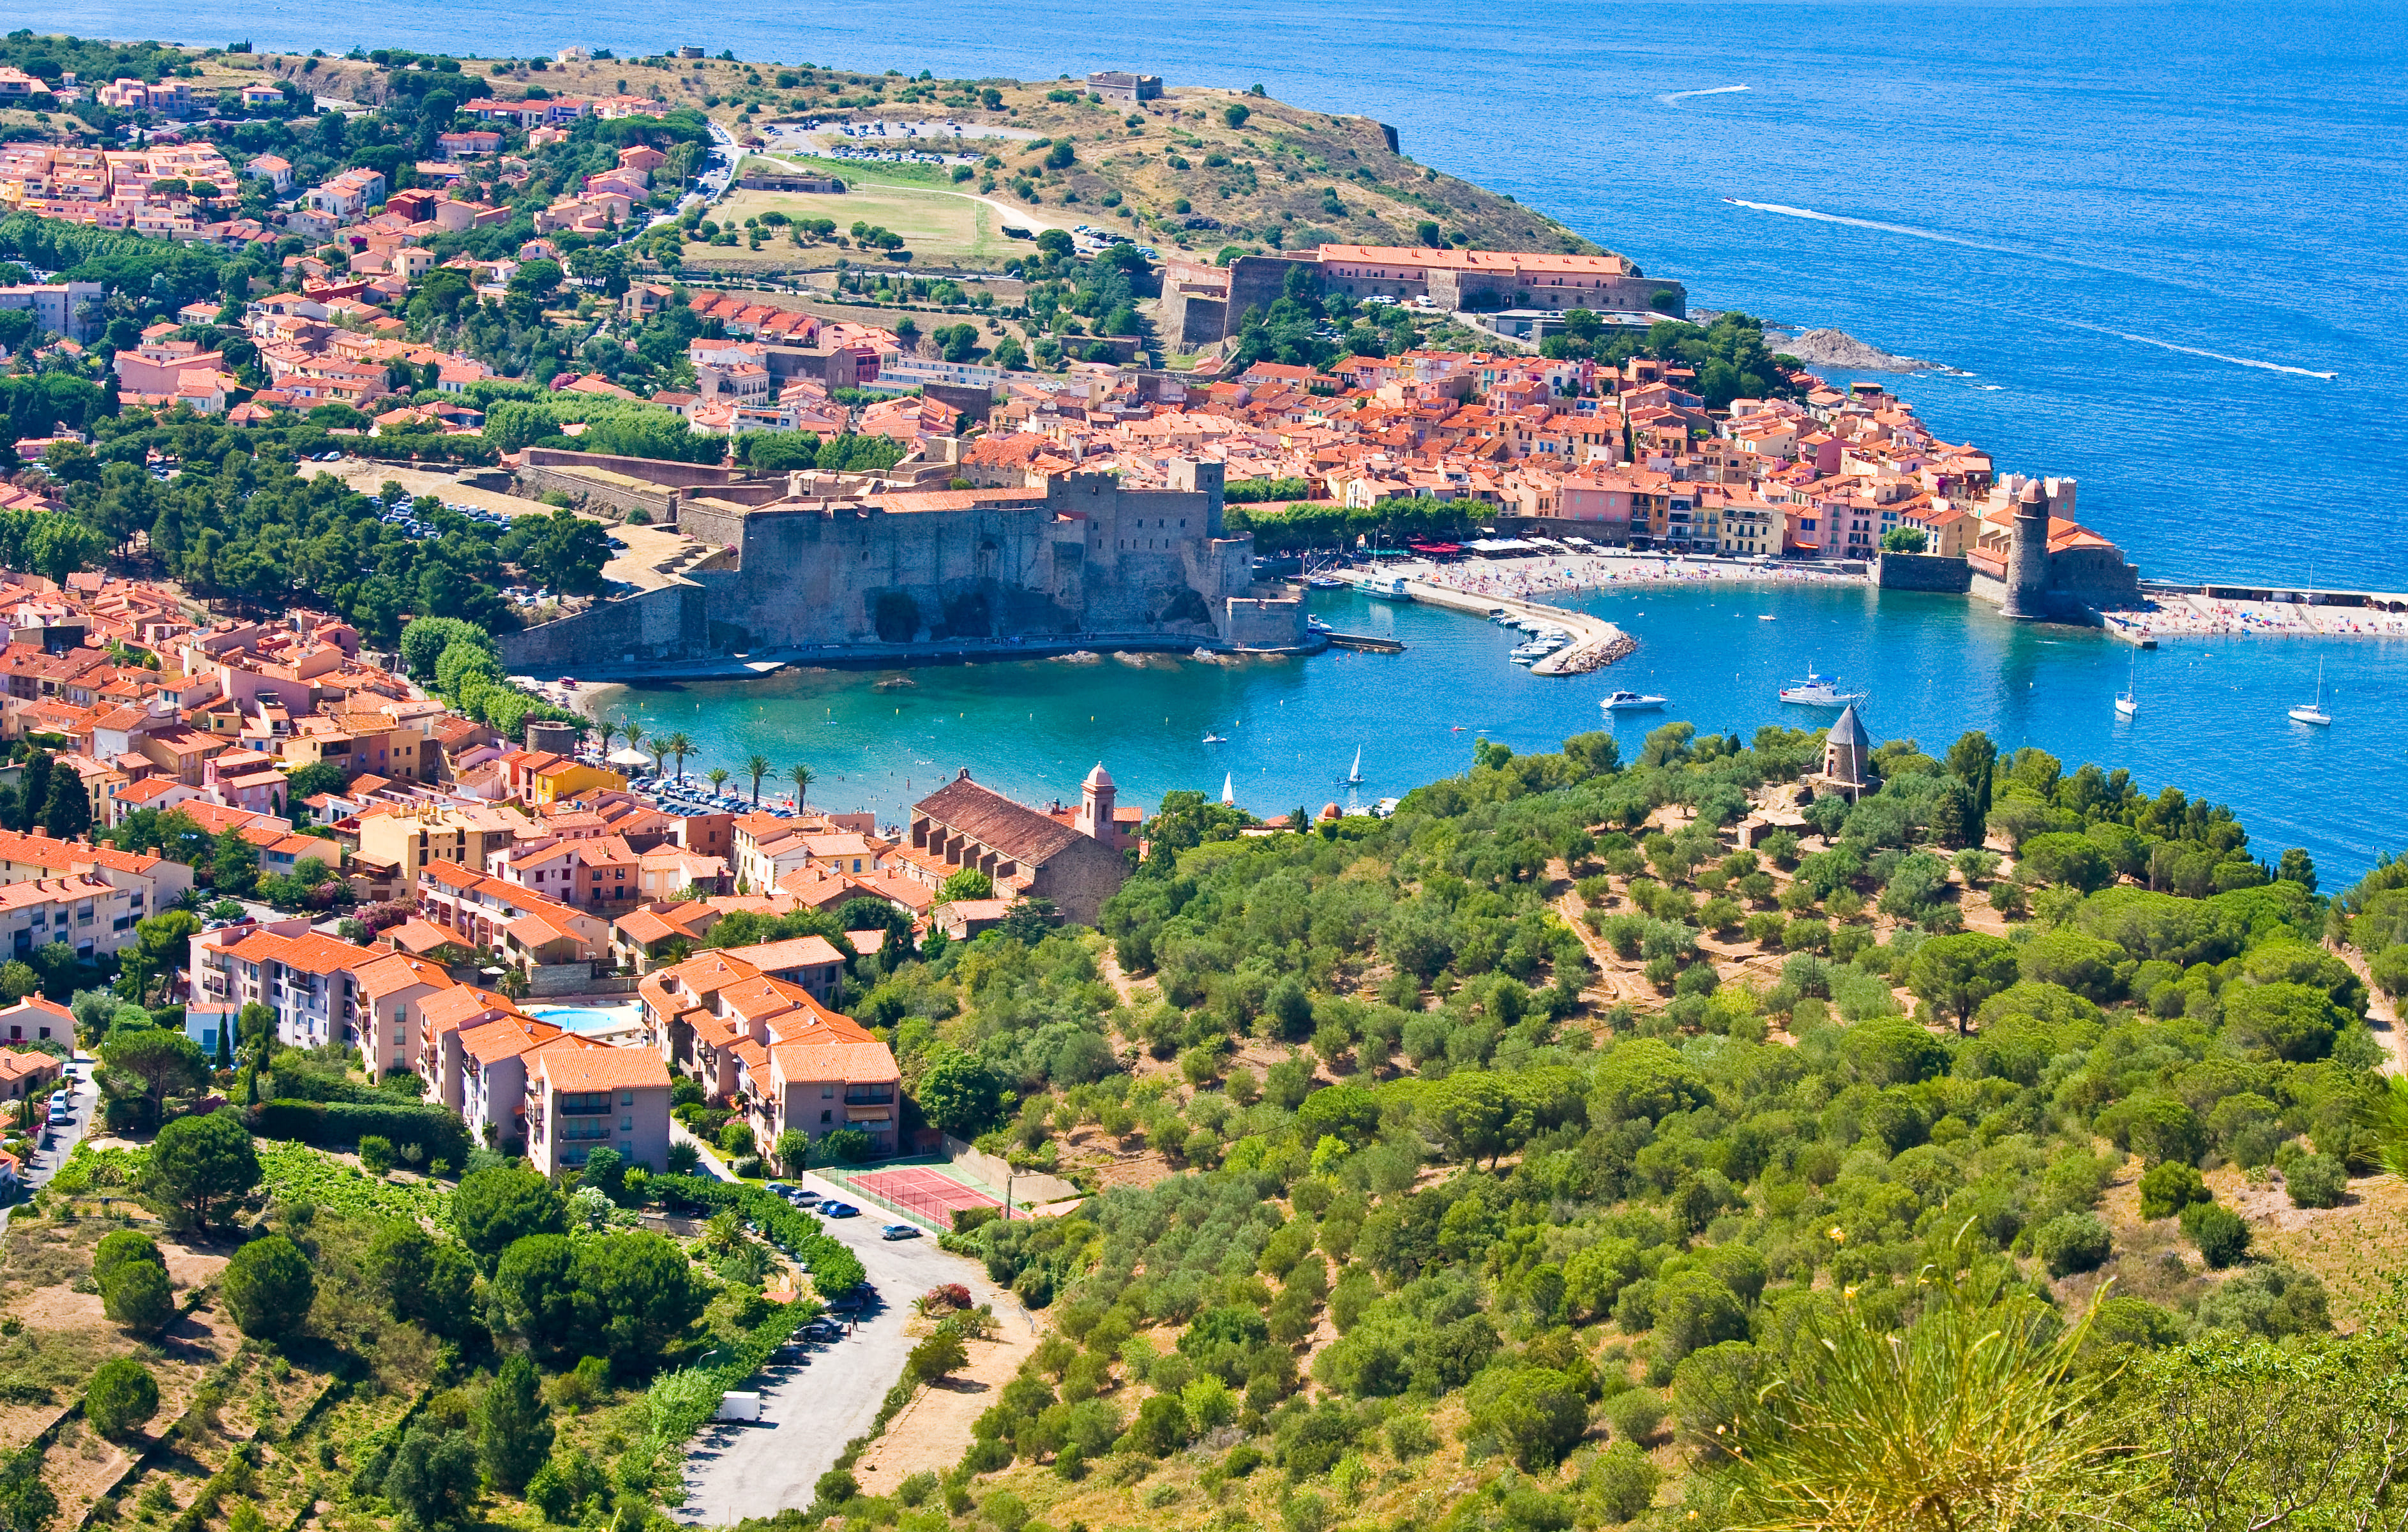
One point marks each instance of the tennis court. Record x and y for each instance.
(919, 1190)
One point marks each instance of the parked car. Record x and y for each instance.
(840, 1210)
(899, 1231)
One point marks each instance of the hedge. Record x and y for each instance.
(835, 1270)
(437, 1130)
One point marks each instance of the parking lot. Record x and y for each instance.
(828, 1392)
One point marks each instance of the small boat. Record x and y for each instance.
(1383, 588)
(1317, 625)
(2314, 712)
(1819, 691)
(1632, 702)
(1355, 773)
(2127, 703)
(1764, 617)
(1327, 582)
(1212, 739)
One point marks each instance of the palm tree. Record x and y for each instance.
(635, 733)
(803, 776)
(759, 766)
(717, 777)
(608, 729)
(678, 745)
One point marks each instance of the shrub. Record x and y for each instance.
(2160, 1128)
(2073, 1242)
(116, 1250)
(138, 1295)
(2169, 1187)
(269, 1288)
(121, 1396)
(1636, 1415)
(376, 1153)
(2220, 1233)
(2316, 1181)
(1621, 1482)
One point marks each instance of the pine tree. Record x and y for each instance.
(33, 784)
(66, 813)
(513, 1426)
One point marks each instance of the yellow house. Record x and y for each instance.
(540, 776)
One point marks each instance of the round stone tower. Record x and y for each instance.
(2028, 556)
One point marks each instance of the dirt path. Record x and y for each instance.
(2382, 1012)
(1132, 992)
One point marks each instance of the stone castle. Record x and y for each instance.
(1204, 303)
(1081, 560)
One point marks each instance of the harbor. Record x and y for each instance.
(1594, 641)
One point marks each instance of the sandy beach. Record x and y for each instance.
(1537, 578)
(2192, 616)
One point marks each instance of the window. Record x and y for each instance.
(827, 1117)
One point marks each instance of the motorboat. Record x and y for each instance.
(1383, 588)
(1632, 702)
(1327, 582)
(1212, 739)
(2314, 712)
(1317, 625)
(1820, 692)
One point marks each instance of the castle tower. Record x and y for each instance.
(2027, 557)
(1094, 819)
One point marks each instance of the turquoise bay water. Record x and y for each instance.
(2212, 716)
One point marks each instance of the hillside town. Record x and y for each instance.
(261, 826)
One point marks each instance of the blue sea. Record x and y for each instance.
(2165, 241)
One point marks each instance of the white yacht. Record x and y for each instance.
(1820, 692)
(2128, 701)
(1632, 702)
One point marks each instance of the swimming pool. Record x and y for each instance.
(588, 1018)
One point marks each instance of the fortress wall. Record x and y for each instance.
(2095, 577)
(652, 470)
(665, 624)
(1923, 572)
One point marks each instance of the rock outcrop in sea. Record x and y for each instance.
(1841, 350)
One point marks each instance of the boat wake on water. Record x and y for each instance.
(1672, 97)
(2189, 350)
(1913, 233)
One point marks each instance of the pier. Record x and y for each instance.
(1595, 642)
(1365, 643)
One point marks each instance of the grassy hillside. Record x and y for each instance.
(1309, 175)
(1477, 1169)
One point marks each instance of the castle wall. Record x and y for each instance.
(670, 622)
(1923, 572)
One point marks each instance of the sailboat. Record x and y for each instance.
(2314, 712)
(1355, 773)
(1229, 790)
(2127, 702)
